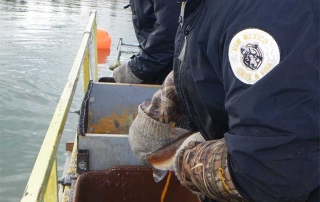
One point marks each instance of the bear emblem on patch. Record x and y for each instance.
(251, 56)
(253, 53)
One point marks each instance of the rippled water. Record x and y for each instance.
(39, 40)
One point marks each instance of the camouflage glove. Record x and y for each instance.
(203, 168)
(165, 105)
(123, 74)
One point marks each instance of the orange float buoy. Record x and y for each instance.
(103, 39)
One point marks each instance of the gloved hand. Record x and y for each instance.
(151, 128)
(123, 74)
(203, 168)
(192, 140)
(147, 135)
(162, 160)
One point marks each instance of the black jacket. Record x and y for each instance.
(250, 73)
(155, 23)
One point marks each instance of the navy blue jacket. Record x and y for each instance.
(250, 73)
(155, 23)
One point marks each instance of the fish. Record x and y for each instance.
(162, 159)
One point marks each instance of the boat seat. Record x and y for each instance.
(109, 108)
(106, 114)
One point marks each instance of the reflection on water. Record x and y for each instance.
(39, 40)
(103, 55)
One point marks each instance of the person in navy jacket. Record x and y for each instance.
(246, 77)
(155, 23)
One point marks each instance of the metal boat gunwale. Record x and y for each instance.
(43, 181)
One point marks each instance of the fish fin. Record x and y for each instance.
(158, 175)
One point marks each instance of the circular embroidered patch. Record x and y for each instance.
(253, 53)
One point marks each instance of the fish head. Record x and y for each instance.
(162, 160)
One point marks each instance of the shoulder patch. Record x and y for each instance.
(253, 53)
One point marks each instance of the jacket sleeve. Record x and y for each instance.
(155, 23)
(273, 108)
